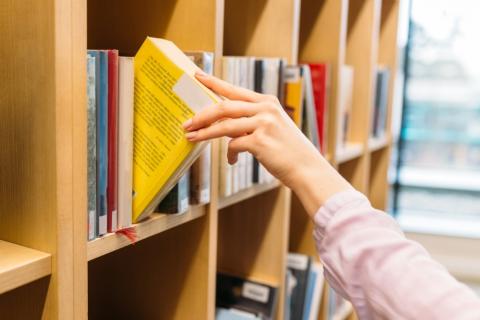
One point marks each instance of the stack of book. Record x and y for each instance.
(264, 75)
(380, 107)
(345, 104)
(304, 286)
(138, 158)
(306, 100)
(240, 299)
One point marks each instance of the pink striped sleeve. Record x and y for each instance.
(368, 260)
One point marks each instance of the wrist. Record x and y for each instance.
(315, 182)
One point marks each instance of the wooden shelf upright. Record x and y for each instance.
(47, 268)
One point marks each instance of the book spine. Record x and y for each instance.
(200, 178)
(102, 143)
(125, 141)
(112, 187)
(319, 78)
(225, 169)
(177, 199)
(91, 147)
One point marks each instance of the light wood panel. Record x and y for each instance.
(20, 265)
(323, 30)
(251, 192)
(163, 277)
(253, 239)
(265, 28)
(157, 223)
(124, 24)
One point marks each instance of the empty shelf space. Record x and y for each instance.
(156, 224)
(377, 143)
(349, 152)
(20, 265)
(247, 194)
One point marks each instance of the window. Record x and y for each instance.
(437, 187)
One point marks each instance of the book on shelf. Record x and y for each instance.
(299, 265)
(101, 104)
(336, 305)
(112, 187)
(165, 88)
(91, 147)
(125, 141)
(294, 91)
(136, 146)
(200, 172)
(310, 122)
(177, 199)
(314, 292)
(320, 86)
(234, 314)
(253, 297)
(345, 104)
(380, 107)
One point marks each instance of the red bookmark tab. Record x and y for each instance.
(130, 233)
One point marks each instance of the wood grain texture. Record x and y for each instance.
(253, 239)
(125, 24)
(265, 28)
(20, 265)
(323, 30)
(154, 225)
(387, 56)
(162, 277)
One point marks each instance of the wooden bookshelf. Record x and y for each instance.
(157, 223)
(251, 192)
(349, 152)
(170, 273)
(20, 265)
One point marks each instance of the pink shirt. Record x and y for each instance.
(368, 260)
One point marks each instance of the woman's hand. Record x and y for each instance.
(258, 124)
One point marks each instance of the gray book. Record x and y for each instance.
(92, 148)
(201, 169)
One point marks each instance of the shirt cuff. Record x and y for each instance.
(337, 202)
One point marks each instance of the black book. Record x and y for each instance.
(245, 295)
(381, 102)
(177, 200)
(299, 265)
(258, 87)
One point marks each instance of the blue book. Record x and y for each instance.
(307, 308)
(91, 147)
(102, 138)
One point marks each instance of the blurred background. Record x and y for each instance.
(435, 169)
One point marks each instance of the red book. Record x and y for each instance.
(320, 84)
(112, 215)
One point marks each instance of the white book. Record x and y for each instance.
(271, 72)
(125, 141)
(317, 291)
(225, 169)
(92, 146)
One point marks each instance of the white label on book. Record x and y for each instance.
(183, 205)
(205, 196)
(255, 292)
(114, 220)
(102, 225)
(297, 261)
(91, 224)
(191, 93)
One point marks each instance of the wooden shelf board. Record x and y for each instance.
(349, 152)
(20, 265)
(377, 143)
(247, 194)
(157, 223)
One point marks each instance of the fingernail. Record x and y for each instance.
(191, 135)
(200, 73)
(187, 124)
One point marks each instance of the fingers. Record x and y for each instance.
(230, 128)
(226, 89)
(238, 145)
(225, 109)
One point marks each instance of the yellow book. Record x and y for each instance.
(166, 95)
(294, 94)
